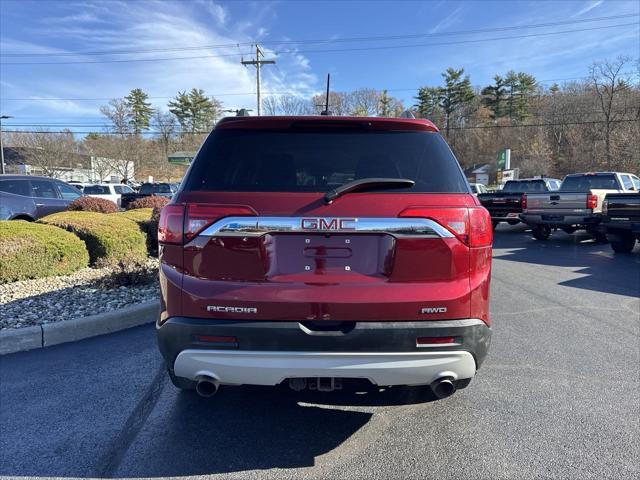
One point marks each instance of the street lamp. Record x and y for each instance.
(2, 117)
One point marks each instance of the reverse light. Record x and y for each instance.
(472, 226)
(592, 201)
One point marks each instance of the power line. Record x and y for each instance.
(336, 50)
(526, 125)
(299, 92)
(316, 41)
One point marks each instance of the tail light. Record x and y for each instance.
(523, 201)
(605, 207)
(471, 226)
(429, 341)
(592, 201)
(181, 223)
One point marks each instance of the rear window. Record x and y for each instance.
(525, 186)
(96, 190)
(313, 161)
(584, 183)
(149, 188)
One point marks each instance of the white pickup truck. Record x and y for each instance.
(108, 191)
(577, 205)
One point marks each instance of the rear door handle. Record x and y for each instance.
(39, 204)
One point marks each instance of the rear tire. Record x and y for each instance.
(513, 222)
(600, 237)
(625, 243)
(541, 232)
(181, 383)
(494, 224)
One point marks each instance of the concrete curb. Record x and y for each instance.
(39, 336)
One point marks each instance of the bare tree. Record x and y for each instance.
(609, 83)
(119, 114)
(270, 105)
(364, 102)
(166, 124)
(51, 153)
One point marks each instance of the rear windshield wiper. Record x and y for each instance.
(367, 183)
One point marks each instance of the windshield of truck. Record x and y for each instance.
(525, 186)
(316, 161)
(584, 183)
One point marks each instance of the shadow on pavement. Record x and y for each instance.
(256, 428)
(603, 270)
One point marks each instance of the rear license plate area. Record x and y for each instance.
(553, 218)
(329, 254)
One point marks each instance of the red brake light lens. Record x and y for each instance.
(523, 201)
(592, 200)
(471, 226)
(170, 224)
(424, 341)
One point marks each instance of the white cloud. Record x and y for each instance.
(144, 26)
(588, 7)
(447, 21)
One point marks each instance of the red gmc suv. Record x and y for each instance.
(309, 250)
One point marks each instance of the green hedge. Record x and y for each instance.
(31, 250)
(147, 223)
(109, 237)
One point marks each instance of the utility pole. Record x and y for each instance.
(2, 117)
(258, 63)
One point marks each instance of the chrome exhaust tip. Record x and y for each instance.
(207, 386)
(443, 388)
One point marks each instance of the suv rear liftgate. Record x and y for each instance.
(311, 250)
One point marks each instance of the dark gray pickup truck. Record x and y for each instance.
(621, 220)
(149, 190)
(506, 205)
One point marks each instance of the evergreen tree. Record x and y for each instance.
(428, 101)
(455, 94)
(140, 110)
(494, 97)
(195, 112)
(520, 87)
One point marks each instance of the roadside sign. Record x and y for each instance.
(181, 158)
(504, 159)
(506, 175)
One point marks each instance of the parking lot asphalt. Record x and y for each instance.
(558, 396)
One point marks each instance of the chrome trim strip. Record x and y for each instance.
(258, 226)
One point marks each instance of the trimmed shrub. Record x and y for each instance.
(147, 224)
(31, 250)
(109, 238)
(93, 204)
(148, 202)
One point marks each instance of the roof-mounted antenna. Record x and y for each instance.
(326, 101)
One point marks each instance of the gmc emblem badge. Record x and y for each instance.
(328, 224)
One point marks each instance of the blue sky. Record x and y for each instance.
(52, 27)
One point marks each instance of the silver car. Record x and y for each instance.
(25, 197)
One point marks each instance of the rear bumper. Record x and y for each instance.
(266, 353)
(238, 367)
(553, 219)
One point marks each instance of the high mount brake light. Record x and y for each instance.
(181, 223)
(472, 226)
(592, 201)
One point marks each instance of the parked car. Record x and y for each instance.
(577, 205)
(621, 220)
(108, 191)
(149, 190)
(25, 197)
(477, 188)
(505, 205)
(308, 250)
(79, 185)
